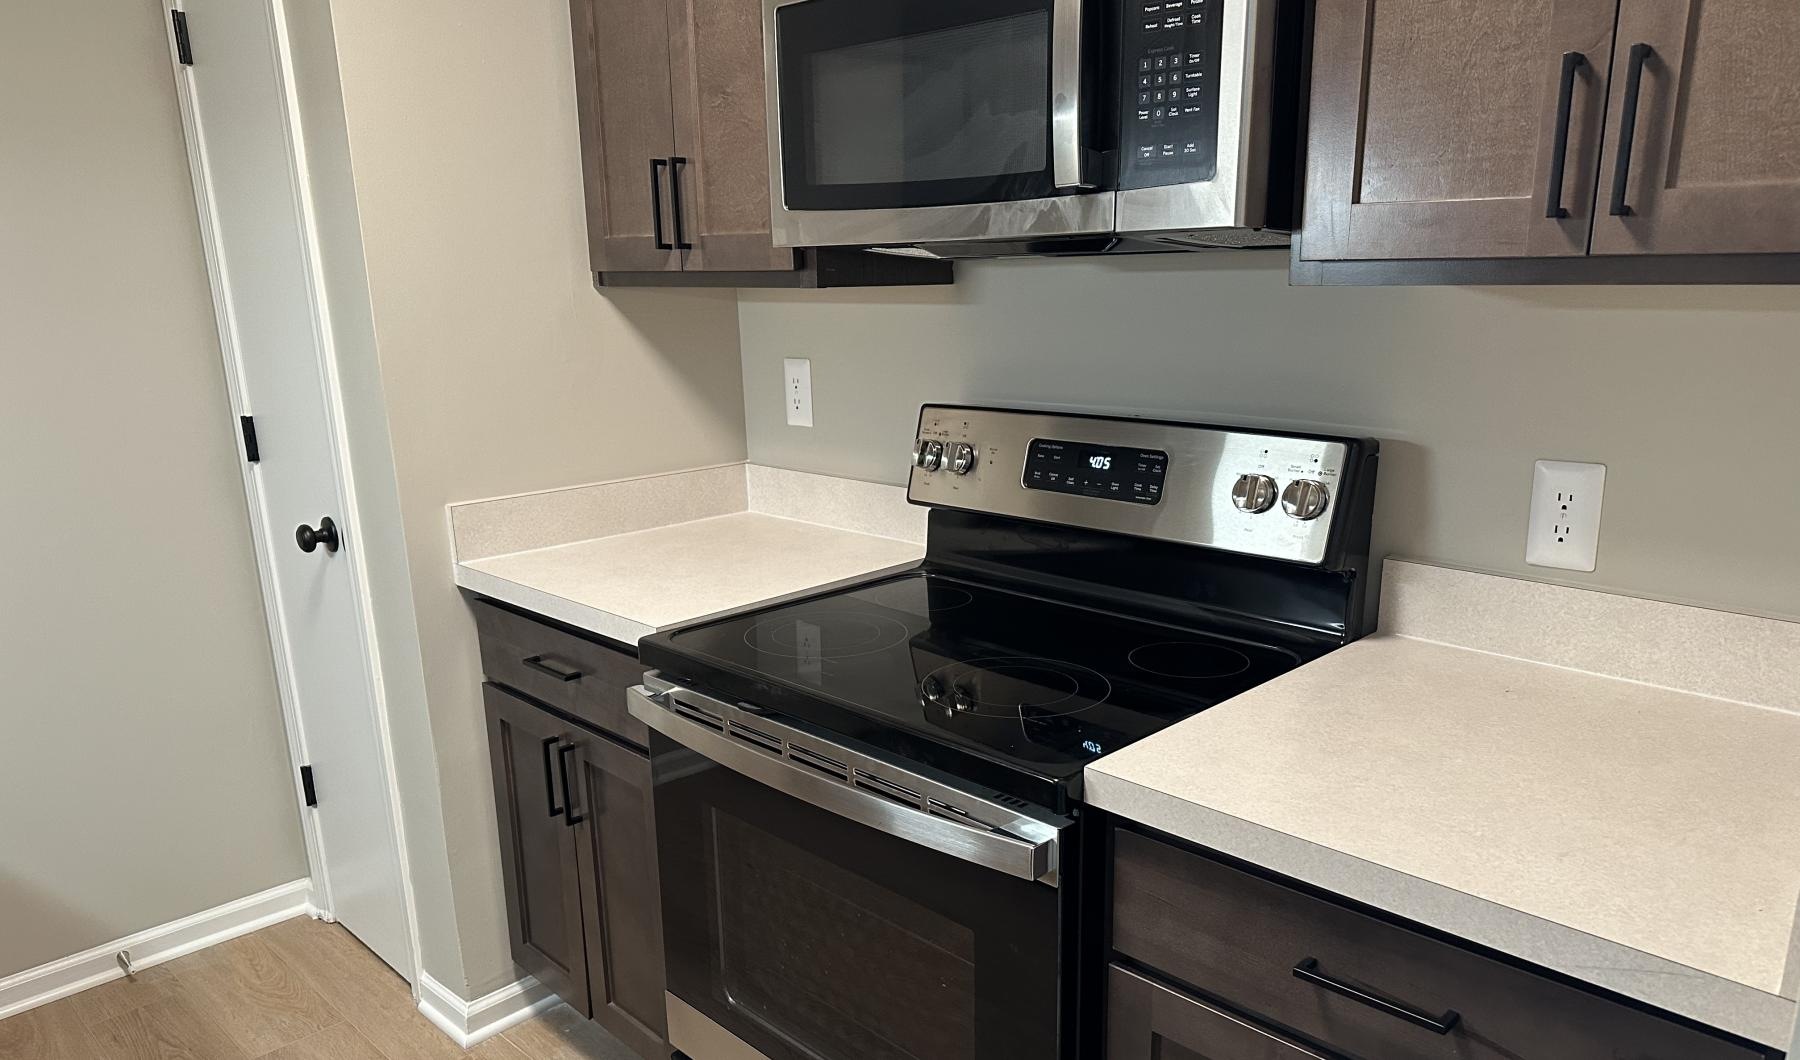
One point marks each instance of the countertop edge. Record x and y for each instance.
(581, 616)
(1720, 1003)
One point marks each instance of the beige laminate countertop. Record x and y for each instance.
(626, 586)
(1633, 836)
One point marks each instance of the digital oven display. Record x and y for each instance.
(1108, 472)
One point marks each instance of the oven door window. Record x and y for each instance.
(811, 937)
(900, 103)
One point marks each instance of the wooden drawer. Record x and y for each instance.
(577, 676)
(1148, 1021)
(1241, 938)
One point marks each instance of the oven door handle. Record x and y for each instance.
(1067, 151)
(1024, 858)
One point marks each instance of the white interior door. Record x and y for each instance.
(260, 251)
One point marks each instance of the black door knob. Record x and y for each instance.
(326, 535)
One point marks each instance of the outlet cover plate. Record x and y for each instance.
(1565, 515)
(796, 390)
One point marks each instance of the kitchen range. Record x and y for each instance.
(868, 802)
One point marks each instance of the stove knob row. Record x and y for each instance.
(958, 458)
(1303, 499)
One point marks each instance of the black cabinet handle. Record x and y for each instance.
(562, 766)
(536, 662)
(1572, 62)
(656, 166)
(675, 164)
(1634, 83)
(1308, 971)
(308, 538)
(549, 783)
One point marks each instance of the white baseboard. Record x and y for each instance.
(58, 979)
(470, 1023)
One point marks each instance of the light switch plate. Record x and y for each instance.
(796, 389)
(1565, 515)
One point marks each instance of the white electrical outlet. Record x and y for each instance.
(1565, 515)
(796, 386)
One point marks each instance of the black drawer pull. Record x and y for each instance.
(1572, 62)
(1634, 86)
(536, 662)
(562, 766)
(549, 781)
(675, 164)
(1308, 971)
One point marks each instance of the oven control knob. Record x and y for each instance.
(933, 689)
(1253, 493)
(962, 458)
(928, 455)
(962, 697)
(1305, 498)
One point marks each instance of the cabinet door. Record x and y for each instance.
(622, 907)
(1435, 128)
(721, 130)
(538, 849)
(1148, 1021)
(627, 131)
(1713, 165)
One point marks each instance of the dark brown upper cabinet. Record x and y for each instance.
(1545, 139)
(1435, 127)
(1712, 162)
(675, 153)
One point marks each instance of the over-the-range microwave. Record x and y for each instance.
(985, 128)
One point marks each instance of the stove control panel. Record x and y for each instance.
(1273, 495)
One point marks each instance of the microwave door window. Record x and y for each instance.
(921, 116)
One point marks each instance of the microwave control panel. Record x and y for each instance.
(1169, 125)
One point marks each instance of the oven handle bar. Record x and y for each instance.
(1023, 858)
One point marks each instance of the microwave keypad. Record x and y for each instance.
(1169, 128)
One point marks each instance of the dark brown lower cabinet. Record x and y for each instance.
(539, 851)
(1148, 1021)
(578, 853)
(621, 906)
(1308, 973)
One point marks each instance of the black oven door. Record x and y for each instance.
(894, 104)
(797, 927)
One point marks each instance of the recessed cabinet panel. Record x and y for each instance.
(1711, 163)
(537, 846)
(721, 130)
(627, 131)
(622, 907)
(1438, 128)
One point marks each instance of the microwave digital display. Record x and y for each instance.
(1105, 472)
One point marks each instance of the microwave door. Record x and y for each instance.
(915, 121)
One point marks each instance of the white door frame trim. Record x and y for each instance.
(331, 382)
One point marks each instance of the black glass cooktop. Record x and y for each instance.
(1005, 689)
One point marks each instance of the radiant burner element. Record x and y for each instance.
(1189, 659)
(939, 598)
(821, 635)
(1012, 685)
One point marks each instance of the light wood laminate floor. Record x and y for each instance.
(299, 990)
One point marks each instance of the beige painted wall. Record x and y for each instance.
(143, 768)
(503, 370)
(1688, 395)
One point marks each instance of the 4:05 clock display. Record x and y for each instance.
(1106, 472)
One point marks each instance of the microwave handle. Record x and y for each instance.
(1066, 149)
(1025, 859)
